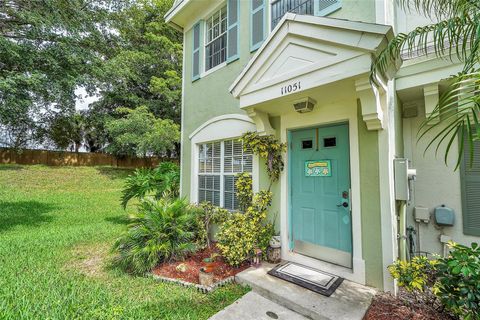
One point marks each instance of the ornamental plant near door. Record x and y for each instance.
(162, 230)
(240, 234)
(209, 214)
(458, 281)
(244, 190)
(268, 148)
(450, 284)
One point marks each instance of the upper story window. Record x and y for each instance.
(308, 7)
(280, 7)
(216, 39)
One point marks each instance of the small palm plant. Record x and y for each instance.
(162, 230)
(455, 35)
(164, 180)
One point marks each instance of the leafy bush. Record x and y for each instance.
(241, 233)
(208, 215)
(244, 192)
(415, 275)
(458, 281)
(268, 148)
(162, 230)
(453, 282)
(161, 181)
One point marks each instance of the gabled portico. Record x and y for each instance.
(326, 61)
(306, 52)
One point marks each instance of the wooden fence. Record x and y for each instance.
(64, 158)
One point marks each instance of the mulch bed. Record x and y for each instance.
(387, 307)
(194, 263)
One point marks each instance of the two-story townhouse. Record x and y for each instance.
(299, 69)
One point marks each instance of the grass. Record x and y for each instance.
(56, 227)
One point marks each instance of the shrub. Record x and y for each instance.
(244, 191)
(458, 281)
(268, 148)
(452, 282)
(241, 233)
(164, 180)
(415, 275)
(209, 214)
(162, 230)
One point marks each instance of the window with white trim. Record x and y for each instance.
(216, 39)
(219, 164)
(319, 8)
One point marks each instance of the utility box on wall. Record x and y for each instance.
(421, 214)
(444, 216)
(403, 174)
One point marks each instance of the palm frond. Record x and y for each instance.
(456, 116)
(457, 36)
(163, 180)
(440, 9)
(454, 37)
(163, 230)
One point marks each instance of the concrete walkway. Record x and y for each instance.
(349, 302)
(253, 306)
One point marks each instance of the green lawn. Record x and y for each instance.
(56, 227)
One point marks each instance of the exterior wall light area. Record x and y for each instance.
(304, 105)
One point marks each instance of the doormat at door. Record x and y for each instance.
(309, 278)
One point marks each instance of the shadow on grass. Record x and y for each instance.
(118, 220)
(24, 213)
(114, 173)
(10, 167)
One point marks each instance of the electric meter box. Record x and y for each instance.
(403, 174)
(444, 216)
(400, 167)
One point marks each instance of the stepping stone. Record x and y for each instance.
(253, 306)
(349, 302)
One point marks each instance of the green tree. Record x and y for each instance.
(140, 133)
(66, 131)
(48, 49)
(144, 69)
(455, 35)
(95, 133)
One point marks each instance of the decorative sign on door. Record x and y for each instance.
(318, 168)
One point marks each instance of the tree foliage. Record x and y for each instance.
(144, 68)
(66, 131)
(140, 133)
(119, 50)
(47, 50)
(456, 35)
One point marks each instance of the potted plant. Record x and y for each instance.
(210, 263)
(274, 250)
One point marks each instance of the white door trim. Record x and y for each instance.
(297, 121)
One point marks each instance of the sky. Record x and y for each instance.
(84, 99)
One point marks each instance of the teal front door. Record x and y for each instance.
(320, 217)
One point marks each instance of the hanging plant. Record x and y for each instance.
(268, 148)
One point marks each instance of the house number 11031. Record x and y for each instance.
(290, 88)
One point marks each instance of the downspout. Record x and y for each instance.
(402, 245)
